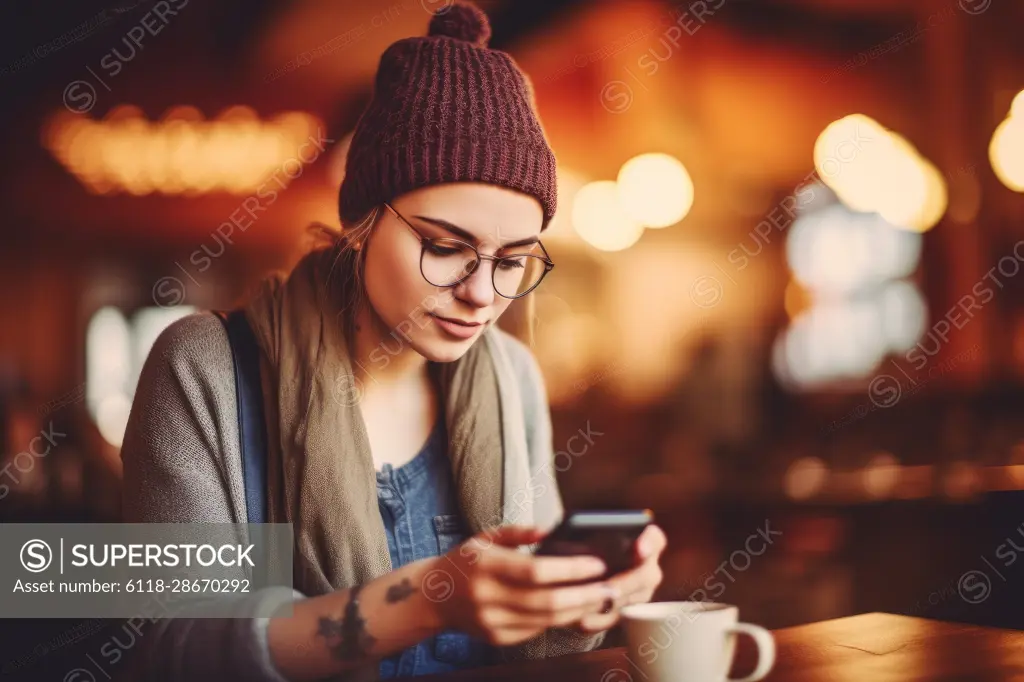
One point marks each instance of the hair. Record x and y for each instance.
(342, 255)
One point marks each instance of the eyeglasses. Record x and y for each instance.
(445, 262)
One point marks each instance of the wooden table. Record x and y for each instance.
(872, 647)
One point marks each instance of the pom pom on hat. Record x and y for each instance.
(447, 108)
(461, 21)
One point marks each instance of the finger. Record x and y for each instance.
(597, 622)
(567, 618)
(608, 614)
(644, 577)
(579, 599)
(650, 543)
(527, 569)
(503, 627)
(637, 586)
(513, 618)
(508, 536)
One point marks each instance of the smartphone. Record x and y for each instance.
(608, 535)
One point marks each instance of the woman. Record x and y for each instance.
(409, 438)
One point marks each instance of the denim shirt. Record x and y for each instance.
(420, 510)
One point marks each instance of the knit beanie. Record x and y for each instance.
(446, 108)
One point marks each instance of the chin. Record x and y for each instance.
(445, 350)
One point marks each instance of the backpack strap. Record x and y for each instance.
(251, 424)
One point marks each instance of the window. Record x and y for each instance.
(115, 350)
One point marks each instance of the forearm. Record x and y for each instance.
(324, 636)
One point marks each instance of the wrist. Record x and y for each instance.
(434, 586)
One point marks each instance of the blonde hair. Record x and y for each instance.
(345, 255)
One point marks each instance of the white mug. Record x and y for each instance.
(691, 641)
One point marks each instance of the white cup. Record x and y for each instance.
(691, 641)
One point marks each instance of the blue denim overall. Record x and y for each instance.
(420, 510)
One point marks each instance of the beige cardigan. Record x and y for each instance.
(182, 463)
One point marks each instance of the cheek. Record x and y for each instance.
(501, 304)
(394, 285)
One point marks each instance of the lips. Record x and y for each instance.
(455, 328)
(454, 320)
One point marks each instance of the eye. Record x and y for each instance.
(441, 250)
(512, 263)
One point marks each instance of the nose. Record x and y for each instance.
(477, 289)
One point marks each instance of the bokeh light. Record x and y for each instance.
(180, 154)
(805, 478)
(560, 228)
(598, 217)
(855, 304)
(834, 251)
(1017, 106)
(1006, 152)
(881, 475)
(655, 189)
(872, 169)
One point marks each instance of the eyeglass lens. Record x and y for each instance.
(446, 262)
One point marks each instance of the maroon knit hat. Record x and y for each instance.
(446, 108)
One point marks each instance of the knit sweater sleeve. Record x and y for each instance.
(548, 508)
(182, 464)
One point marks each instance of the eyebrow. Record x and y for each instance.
(458, 231)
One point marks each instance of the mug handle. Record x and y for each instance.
(765, 650)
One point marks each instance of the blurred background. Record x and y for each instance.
(786, 314)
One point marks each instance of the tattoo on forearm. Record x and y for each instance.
(397, 593)
(347, 638)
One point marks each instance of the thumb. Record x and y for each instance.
(512, 535)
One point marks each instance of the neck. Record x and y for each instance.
(382, 356)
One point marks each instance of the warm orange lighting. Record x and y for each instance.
(560, 229)
(598, 217)
(936, 202)
(1017, 454)
(901, 190)
(655, 189)
(845, 153)
(797, 299)
(872, 169)
(1017, 105)
(1014, 476)
(963, 480)
(182, 153)
(915, 482)
(1006, 152)
(805, 478)
(296, 126)
(881, 475)
(238, 114)
(124, 112)
(183, 112)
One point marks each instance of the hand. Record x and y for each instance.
(636, 585)
(505, 596)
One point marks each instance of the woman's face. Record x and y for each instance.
(441, 323)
